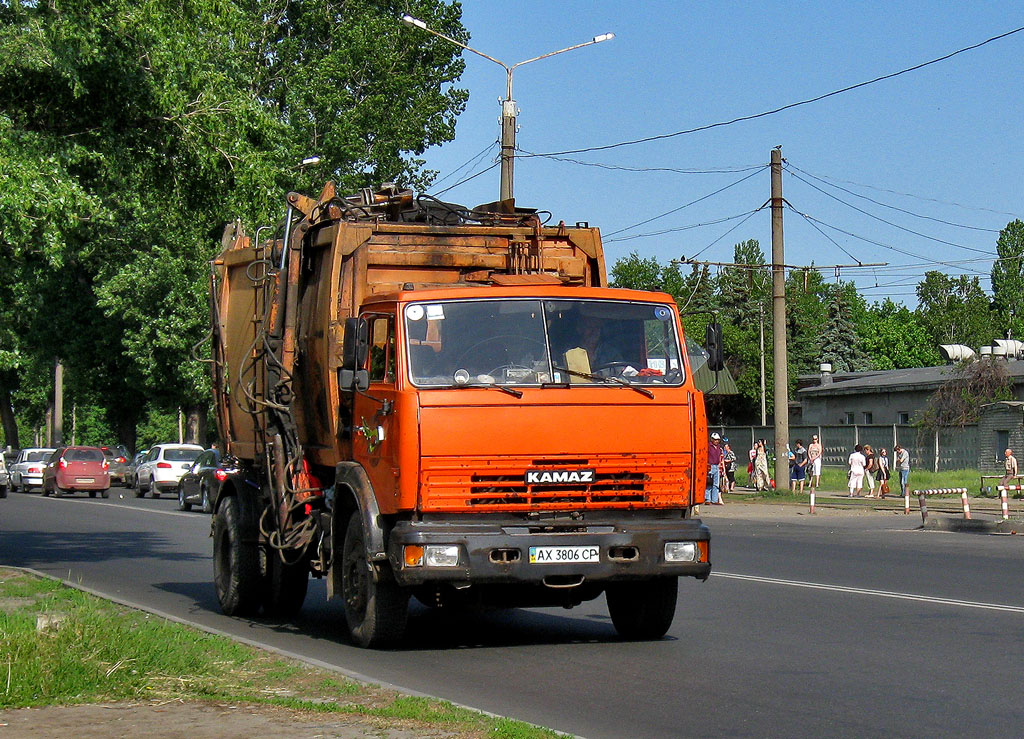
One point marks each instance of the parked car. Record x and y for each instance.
(200, 483)
(4, 477)
(27, 471)
(74, 468)
(163, 466)
(129, 474)
(117, 458)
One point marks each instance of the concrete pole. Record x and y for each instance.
(779, 327)
(58, 404)
(764, 403)
(508, 143)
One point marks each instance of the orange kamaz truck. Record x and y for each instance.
(423, 400)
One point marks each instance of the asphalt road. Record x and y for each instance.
(836, 625)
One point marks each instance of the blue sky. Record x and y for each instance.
(946, 139)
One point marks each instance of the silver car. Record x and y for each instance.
(27, 471)
(5, 478)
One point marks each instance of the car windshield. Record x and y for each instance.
(539, 342)
(83, 455)
(182, 455)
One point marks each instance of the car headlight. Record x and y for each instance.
(682, 551)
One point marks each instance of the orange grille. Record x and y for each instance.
(625, 481)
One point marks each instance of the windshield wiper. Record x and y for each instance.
(602, 378)
(507, 390)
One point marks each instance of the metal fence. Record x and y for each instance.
(949, 449)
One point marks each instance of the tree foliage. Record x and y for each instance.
(972, 384)
(1008, 280)
(131, 131)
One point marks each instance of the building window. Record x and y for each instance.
(868, 418)
(850, 418)
(903, 418)
(1002, 443)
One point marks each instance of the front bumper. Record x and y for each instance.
(498, 551)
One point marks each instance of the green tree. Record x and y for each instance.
(972, 384)
(132, 130)
(840, 341)
(954, 310)
(894, 338)
(1008, 280)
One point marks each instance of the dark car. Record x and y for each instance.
(77, 468)
(199, 484)
(117, 458)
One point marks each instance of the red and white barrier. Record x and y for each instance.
(1002, 498)
(906, 501)
(942, 491)
(812, 500)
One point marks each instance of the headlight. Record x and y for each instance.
(441, 555)
(682, 551)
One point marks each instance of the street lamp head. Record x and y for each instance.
(604, 37)
(413, 22)
(309, 161)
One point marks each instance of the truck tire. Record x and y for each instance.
(285, 587)
(376, 612)
(236, 561)
(643, 610)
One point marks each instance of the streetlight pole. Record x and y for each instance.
(508, 105)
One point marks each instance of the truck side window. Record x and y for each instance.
(382, 349)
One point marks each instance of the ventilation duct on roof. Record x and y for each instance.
(1011, 347)
(959, 352)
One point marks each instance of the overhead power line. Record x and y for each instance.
(888, 223)
(625, 168)
(788, 106)
(790, 166)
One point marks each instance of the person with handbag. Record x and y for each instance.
(883, 473)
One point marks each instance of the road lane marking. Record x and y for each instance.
(124, 507)
(875, 593)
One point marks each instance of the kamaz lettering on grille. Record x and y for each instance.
(559, 477)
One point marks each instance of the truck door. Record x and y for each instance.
(374, 421)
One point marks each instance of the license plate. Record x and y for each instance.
(85, 479)
(561, 555)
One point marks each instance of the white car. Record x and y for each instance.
(163, 466)
(5, 479)
(27, 471)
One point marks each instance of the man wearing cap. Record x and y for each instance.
(814, 452)
(713, 493)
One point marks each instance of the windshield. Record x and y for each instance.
(537, 342)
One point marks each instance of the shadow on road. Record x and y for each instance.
(38, 548)
(429, 629)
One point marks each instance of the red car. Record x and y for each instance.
(77, 468)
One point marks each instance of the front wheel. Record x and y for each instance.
(236, 560)
(376, 610)
(207, 503)
(643, 610)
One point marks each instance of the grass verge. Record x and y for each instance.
(61, 646)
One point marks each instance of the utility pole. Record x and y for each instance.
(760, 322)
(779, 327)
(58, 404)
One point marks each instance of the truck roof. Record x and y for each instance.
(542, 290)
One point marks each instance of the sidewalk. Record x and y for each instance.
(945, 513)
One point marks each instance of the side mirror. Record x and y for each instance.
(716, 355)
(354, 351)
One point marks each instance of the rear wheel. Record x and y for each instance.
(285, 588)
(376, 611)
(207, 503)
(236, 560)
(645, 609)
(92, 493)
(105, 493)
(45, 491)
(183, 505)
(139, 492)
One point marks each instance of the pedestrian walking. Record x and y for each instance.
(869, 469)
(901, 458)
(857, 464)
(1009, 467)
(814, 452)
(713, 493)
(799, 470)
(883, 473)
